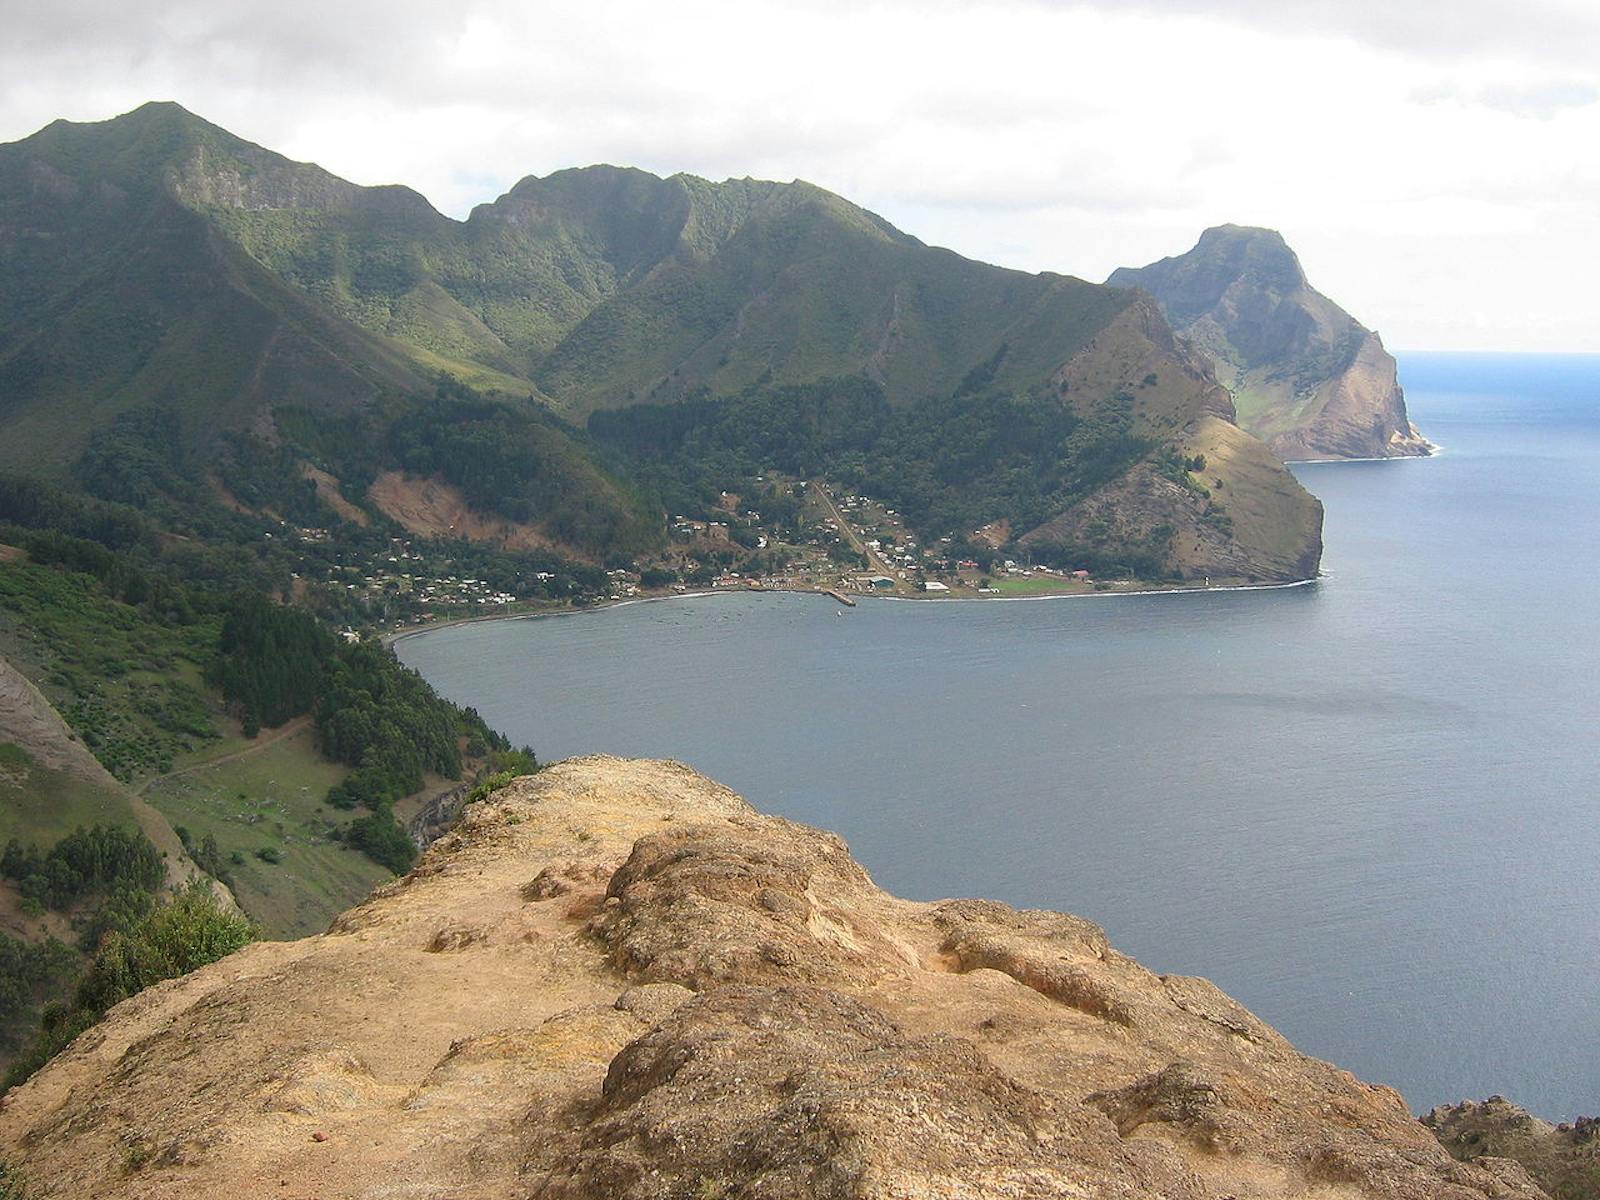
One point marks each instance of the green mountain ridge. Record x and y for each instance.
(157, 261)
(117, 295)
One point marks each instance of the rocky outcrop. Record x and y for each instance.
(1306, 377)
(1563, 1159)
(616, 979)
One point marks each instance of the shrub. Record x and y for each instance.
(380, 837)
(12, 1185)
(189, 931)
(182, 935)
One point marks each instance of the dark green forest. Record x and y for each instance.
(95, 860)
(371, 713)
(950, 464)
(108, 879)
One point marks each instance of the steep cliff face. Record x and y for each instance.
(1306, 377)
(616, 979)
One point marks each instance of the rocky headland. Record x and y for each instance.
(617, 979)
(1307, 378)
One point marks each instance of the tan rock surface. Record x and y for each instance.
(435, 508)
(616, 979)
(1563, 1159)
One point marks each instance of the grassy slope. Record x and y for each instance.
(124, 283)
(809, 287)
(1270, 511)
(1268, 406)
(603, 283)
(42, 806)
(132, 686)
(273, 800)
(115, 295)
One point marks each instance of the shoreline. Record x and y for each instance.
(1435, 451)
(399, 635)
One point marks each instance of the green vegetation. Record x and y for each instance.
(518, 461)
(123, 675)
(41, 805)
(385, 721)
(1036, 585)
(372, 714)
(12, 1184)
(272, 799)
(30, 974)
(207, 854)
(187, 932)
(105, 877)
(497, 781)
(270, 661)
(507, 454)
(950, 465)
(87, 861)
(1109, 559)
(379, 836)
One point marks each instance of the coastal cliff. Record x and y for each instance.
(1306, 377)
(617, 979)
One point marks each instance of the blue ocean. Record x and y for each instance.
(1369, 808)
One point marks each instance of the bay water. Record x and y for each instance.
(1369, 808)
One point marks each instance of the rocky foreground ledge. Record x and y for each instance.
(616, 979)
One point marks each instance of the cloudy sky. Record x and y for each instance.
(1434, 162)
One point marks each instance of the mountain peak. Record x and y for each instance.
(151, 117)
(168, 109)
(133, 149)
(1252, 249)
(1306, 377)
(1250, 233)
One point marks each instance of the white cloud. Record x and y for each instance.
(1429, 160)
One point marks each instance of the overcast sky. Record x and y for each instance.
(1436, 163)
